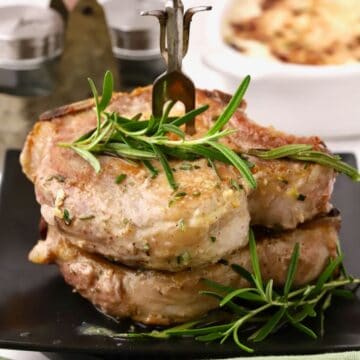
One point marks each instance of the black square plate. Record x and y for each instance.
(38, 311)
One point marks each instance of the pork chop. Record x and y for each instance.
(161, 298)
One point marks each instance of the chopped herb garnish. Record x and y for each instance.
(89, 217)
(301, 197)
(146, 248)
(196, 193)
(59, 178)
(119, 179)
(235, 185)
(186, 166)
(177, 197)
(184, 258)
(189, 166)
(182, 225)
(67, 217)
(212, 239)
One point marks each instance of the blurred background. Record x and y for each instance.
(303, 56)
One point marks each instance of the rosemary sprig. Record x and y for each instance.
(259, 309)
(306, 153)
(146, 140)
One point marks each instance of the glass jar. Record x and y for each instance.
(31, 40)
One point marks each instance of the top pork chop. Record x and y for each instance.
(141, 222)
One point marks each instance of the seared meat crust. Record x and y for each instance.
(161, 298)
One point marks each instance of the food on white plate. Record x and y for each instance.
(154, 224)
(163, 298)
(310, 32)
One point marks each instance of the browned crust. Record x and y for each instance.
(67, 110)
(83, 105)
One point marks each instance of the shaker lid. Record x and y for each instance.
(29, 35)
(133, 36)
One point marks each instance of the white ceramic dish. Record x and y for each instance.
(307, 100)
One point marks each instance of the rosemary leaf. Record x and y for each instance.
(169, 128)
(255, 261)
(103, 134)
(243, 273)
(127, 151)
(231, 107)
(198, 331)
(292, 269)
(153, 171)
(240, 344)
(235, 160)
(343, 293)
(301, 327)
(166, 113)
(89, 157)
(165, 164)
(189, 116)
(84, 137)
(327, 273)
(330, 161)
(210, 337)
(121, 178)
(108, 86)
(217, 286)
(96, 99)
(326, 304)
(269, 291)
(306, 153)
(280, 152)
(240, 293)
(268, 327)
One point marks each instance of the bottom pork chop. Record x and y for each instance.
(162, 298)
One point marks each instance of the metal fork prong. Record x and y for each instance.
(187, 22)
(162, 17)
(177, 87)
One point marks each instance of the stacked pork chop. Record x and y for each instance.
(138, 249)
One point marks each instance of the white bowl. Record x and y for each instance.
(301, 99)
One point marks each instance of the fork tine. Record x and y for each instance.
(177, 87)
